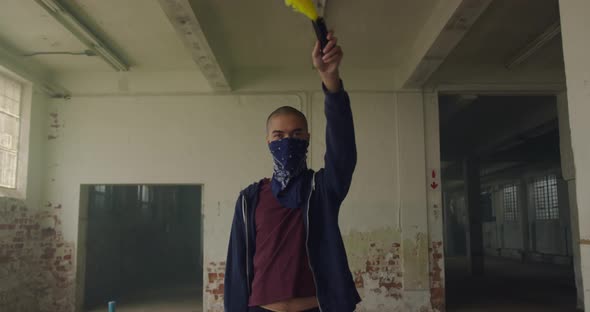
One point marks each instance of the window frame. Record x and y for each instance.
(517, 207)
(22, 160)
(547, 212)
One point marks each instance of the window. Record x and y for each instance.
(511, 202)
(100, 188)
(546, 204)
(10, 104)
(99, 194)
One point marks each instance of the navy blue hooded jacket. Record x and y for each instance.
(324, 192)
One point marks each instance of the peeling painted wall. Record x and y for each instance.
(195, 139)
(437, 276)
(162, 140)
(213, 287)
(36, 263)
(374, 259)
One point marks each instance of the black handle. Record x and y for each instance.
(321, 32)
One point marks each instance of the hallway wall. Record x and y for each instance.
(37, 264)
(218, 141)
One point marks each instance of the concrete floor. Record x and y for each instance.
(181, 298)
(510, 286)
(507, 286)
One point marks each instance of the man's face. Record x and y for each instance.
(286, 126)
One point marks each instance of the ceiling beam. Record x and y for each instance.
(448, 24)
(83, 33)
(32, 72)
(181, 15)
(535, 45)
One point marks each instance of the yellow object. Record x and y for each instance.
(305, 7)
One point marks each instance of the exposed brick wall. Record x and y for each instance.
(382, 273)
(377, 272)
(437, 284)
(36, 264)
(214, 286)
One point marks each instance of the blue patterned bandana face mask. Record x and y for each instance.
(290, 159)
(290, 163)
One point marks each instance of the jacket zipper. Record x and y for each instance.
(247, 239)
(307, 241)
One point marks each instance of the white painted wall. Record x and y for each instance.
(213, 140)
(375, 186)
(37, 140)
(219, 141)
(576, 47)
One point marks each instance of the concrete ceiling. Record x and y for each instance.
(505, 28)
(243, 34)
(489, 123)
(252, 36)
(27, 28)
(137, 30)
(374, 34)
(503, 132)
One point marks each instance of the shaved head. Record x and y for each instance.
(286, 122)
(286, 110)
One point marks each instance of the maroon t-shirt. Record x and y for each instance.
(281, 268)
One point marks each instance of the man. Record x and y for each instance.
(286, 252)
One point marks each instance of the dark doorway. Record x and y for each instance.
(506, 211)
(143, 246)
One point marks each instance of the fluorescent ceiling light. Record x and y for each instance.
(85, 35)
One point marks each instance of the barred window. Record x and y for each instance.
(511, 202)
(546, 202)
(10, 102)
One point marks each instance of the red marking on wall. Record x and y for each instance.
(437, 283)
(433, 174)
(434, 185)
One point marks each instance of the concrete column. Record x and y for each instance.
(435, 200)
(575, 23)
(413, 202)
(473, 201)
(569, 175)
